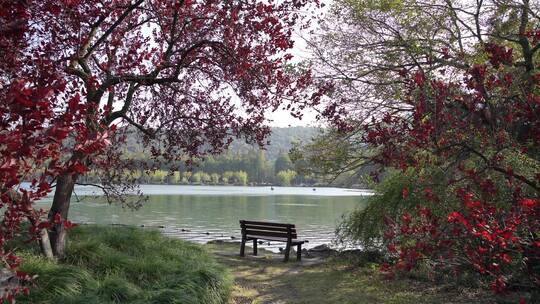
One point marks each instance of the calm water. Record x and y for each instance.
(203, 213)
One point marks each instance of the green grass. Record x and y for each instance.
(126, 265)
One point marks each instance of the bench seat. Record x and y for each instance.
(273, 238)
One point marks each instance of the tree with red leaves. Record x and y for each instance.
(484, 134)
(452, 95)
(189, 75)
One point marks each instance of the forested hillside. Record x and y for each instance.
(280, 141)
(241, 164)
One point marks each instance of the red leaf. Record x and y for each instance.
(57, 219)
(69, 224)
(405, 193)
(79, 168)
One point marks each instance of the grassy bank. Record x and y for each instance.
(266, 279)
(127, 265)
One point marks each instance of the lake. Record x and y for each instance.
(204, 213)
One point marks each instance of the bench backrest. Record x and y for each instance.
(268, 229)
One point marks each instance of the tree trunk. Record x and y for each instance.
(44, 240)
(45, 244)
(60, 205)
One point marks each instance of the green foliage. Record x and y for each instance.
(325, 154)
(257, 170)
(158, 176)
(283, 162)
(205, 178)
(127, 265)
(285, 177)
(258, 163)
(241, 177)
(280, 140)
(196, 178)
(365, 226)
(186, 176)
(176, 179)
(332, 157)
(378, 5)
(227, 177)
(215, 178)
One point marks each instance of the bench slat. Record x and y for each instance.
(270, 238)
(266, 224)
(269, 233)
(269, 228)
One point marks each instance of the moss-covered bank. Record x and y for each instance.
(126, 265)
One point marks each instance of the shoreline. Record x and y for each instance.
(330, 277)
(222, 190)
(323, 248)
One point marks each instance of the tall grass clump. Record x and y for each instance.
(126, 265)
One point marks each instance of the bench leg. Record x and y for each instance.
(243, 247)
(287, 252)
(255, 247)
(299, 252)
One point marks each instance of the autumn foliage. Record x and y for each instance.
(483, 134)
(188, 75)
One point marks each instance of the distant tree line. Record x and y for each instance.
(251, 168)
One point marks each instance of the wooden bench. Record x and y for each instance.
(272, 232)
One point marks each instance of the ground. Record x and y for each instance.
(130, 265)
(267, 279)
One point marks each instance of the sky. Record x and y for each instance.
(282, 118)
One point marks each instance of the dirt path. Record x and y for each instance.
(265, 279)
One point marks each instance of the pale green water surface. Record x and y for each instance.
(203, 213)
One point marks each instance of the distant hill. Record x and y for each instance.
(241, 164)
(280, 140)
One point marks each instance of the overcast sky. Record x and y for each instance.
(281, 118)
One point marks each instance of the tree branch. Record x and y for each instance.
(127, 103)
(113, 27)
(141, 128)
(502, 170)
